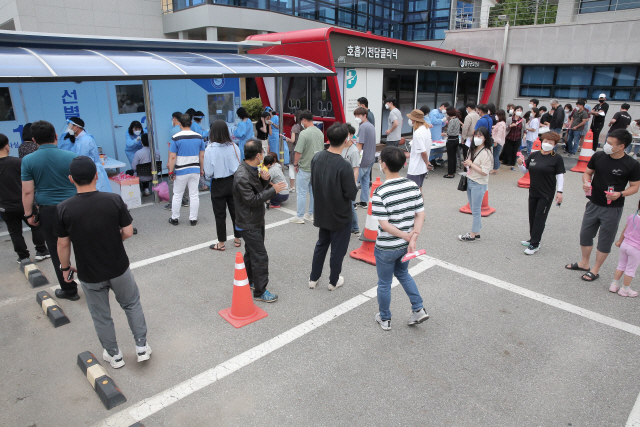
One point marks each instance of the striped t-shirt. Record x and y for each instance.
(397, 201)
(187, 145)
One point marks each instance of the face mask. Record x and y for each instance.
(601, 100)
(443, 111)
(567, 111)
(530, 105)
(608, 148)
(386, 106)
(410, 122)
(546, 146)
(510, 111)
(519, 113)
(70, 130)
(380, 166)
(478, 141)
(358, 120)
(137, 132)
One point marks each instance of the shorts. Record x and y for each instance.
(602, 221)
(629, 259)
(418, 179)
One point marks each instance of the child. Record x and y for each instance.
(275, 170)
(398, 206)
(352, 155)
(629, 244)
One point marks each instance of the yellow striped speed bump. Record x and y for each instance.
(107, 391)
(33, 274)
(51, 309)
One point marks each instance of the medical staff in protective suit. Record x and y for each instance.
(197, 120)
(85, 145)
(133, 143)
(274, 138)
(243, 131)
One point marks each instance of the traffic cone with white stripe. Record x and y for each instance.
(366, 251)
(585, 153)
(525, 181)
(242, 311)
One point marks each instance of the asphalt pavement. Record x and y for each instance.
(513, 340)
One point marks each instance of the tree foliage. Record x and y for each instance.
(253, 107)
(522, 12)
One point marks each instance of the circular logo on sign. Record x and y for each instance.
(217, 83)
(352, 78)
(462, 63)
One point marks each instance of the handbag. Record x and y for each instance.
(462, 185)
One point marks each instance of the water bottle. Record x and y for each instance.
(611, 190)
(588, 193)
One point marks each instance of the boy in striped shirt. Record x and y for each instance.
(398, 206)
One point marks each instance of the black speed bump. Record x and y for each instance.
(107, 391)
(33, 274)
(51, 309)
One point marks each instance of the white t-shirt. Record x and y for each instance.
(533, 124)
(421, 143)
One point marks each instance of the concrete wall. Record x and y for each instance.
(568, 13)
(124, 18)
(234, 17)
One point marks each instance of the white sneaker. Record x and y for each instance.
(297, 220)
(340, 283)
(308, 217)
(312, 284)
(384, 324)
(144, 353)
(147, 192)
(532, 249)
(418, 317)
(525, 243)
(115, 361)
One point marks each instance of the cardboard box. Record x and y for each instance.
(129, 190)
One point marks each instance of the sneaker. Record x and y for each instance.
(308, 217)
(614, 287)
(297, 220)
(312, 284)
(252, 286)
(63, 295)
(23, 259)
(267, 297)
(340, 283)
(477, 236)
(532, 249)
(167, 207)
(173, 221)
(362, 204)
(185, 204)
(418, 317)
(147, 192)
(466, 238)
(275, 206)
(526, 243)
(115, 361)
(144, 353)
(193, 222)
(41, 256)
(292, 190)
(355, 232)
(384, 324)
(627, 293)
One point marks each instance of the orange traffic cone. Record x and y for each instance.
(525, 181)
(585, 153)
(242, 311)
(365, 251)
(486, 209)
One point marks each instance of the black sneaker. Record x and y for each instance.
(185, 204)
(62, 294)
(20, 260)
(193, 222)
(173, 221)
(466, 238)
(41, 256)
(362, 204)
(477, 236)
(167, 206)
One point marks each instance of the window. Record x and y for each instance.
(321, 104)
(130, 99)
(295, 93)
(592, 6)
(307, 93)
(221, 107)
(619, 83)
(6, 106)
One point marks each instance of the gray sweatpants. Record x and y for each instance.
(126, 291)
(602, 220)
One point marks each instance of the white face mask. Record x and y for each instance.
(478, 141)
(410, 122)
(530, 105)
(519, 113)
(546, 146)
(386, 106)
(137, 132)
(567, 111)
(70, 130)
(358, 120)
(380, 166)
(510, 111)
(443, 111)
(608, 149)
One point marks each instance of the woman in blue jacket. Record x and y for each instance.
(133, 143)
(243, 131)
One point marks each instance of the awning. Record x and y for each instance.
(35, 64)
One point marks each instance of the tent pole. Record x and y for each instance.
(149, 112)
(279, 104)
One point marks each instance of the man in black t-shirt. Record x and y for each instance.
(597, 124)
(97, 223)
(621, 119)
(605, 179)
(334, 189)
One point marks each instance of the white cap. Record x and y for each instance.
(602, 95)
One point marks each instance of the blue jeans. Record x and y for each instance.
(354, 221)
(303, 186)
(389, 264)
(529, 146)
(475, 194)
(496, 157)
(573, 137)
(364, 180)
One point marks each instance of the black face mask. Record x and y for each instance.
(601, 101)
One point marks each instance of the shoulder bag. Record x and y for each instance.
(462, 185)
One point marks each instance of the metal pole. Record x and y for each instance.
(149, 112)
(515, 15)
(502, 65)
(535, 17)
(415, 93)
(279, 105)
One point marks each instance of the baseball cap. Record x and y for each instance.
(602, 95)
(82, 168)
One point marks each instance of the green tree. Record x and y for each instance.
(523, 12)
(253, 107)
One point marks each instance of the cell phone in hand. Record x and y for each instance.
(70, 275)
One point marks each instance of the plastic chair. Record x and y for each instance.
(144, 169)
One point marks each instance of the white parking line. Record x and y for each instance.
(162, 400)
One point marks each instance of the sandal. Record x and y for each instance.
(591, 277)
(237, 244)
(216, 247)
(575, 266)
(449, 176)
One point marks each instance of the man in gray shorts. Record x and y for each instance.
(609, 172)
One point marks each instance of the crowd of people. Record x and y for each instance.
(57, 188)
